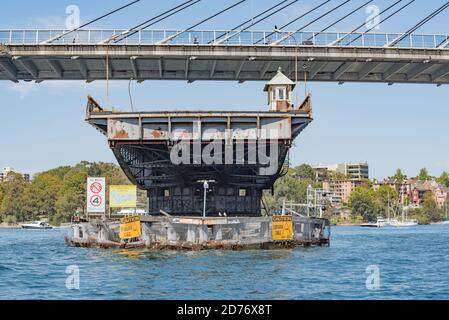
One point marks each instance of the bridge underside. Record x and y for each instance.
(223, 62)
(234, 189)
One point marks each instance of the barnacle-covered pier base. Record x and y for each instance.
(195, 233)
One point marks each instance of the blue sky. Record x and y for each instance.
(406, 126)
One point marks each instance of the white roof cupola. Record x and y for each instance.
(279, 90)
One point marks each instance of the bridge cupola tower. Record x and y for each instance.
(279, 90)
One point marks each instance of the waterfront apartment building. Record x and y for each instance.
(355, 172)
(340, 189)
(440, 193)
(403, 188)
(7, 170)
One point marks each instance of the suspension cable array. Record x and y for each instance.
(253, 22)
(364, 23)
(381, 21)
(152, 21)
(278, 7)
(419, 25)
(202, 21)
(312, 22)
(342, 18)
(296, 19)
(91, 21)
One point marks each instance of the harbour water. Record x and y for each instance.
(413, 263)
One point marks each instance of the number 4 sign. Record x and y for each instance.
(96, 188)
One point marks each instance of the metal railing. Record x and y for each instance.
(211, 37)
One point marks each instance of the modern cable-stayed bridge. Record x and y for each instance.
(418, 59)
(241, 54)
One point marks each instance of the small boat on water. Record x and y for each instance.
(403, 223)
(38, 225)
(380, 223)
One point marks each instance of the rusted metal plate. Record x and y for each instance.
(155, 131)
(124, 129)
(189, 128)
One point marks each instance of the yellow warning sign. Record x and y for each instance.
(130, 228)
(282, 228)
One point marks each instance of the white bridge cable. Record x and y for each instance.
(90, 22)
(381, 21)
(156, 19)
(296, 19)
(419, 25)
(363, 24)
(201, 22)
(255, 22)
(341, 19)
(311, 22)
(250, 20)
(443, 44)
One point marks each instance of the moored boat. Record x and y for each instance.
(38, 225)
(380, 223)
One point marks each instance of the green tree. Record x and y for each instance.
(43, 194)
(12, 202)
(386, 200)
(336, 176)
(363, 203)
(72, 195)
(305, 171)
(1, 195)
(444, 179)
(291, 188)
(419, 215)
(399, 176)
(423, 175)
(430, 208)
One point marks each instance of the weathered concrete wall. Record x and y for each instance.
(198, 233)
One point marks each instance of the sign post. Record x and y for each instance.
(96, 195)
(125, 196)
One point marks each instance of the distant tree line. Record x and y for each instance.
(60, 193)
(56, 194)
(368, 204)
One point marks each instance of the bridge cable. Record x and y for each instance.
(296, 19)
(92, 21)
(251, 20)
(311, 22)
(419, 24)
(148, 23)
(443, 43)
(382, 21)
(363, 24)
(255, 22)
(341, 19)
(203, 21)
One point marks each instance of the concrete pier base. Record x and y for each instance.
(191, 233)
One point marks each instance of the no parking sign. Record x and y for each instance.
(96, 192)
